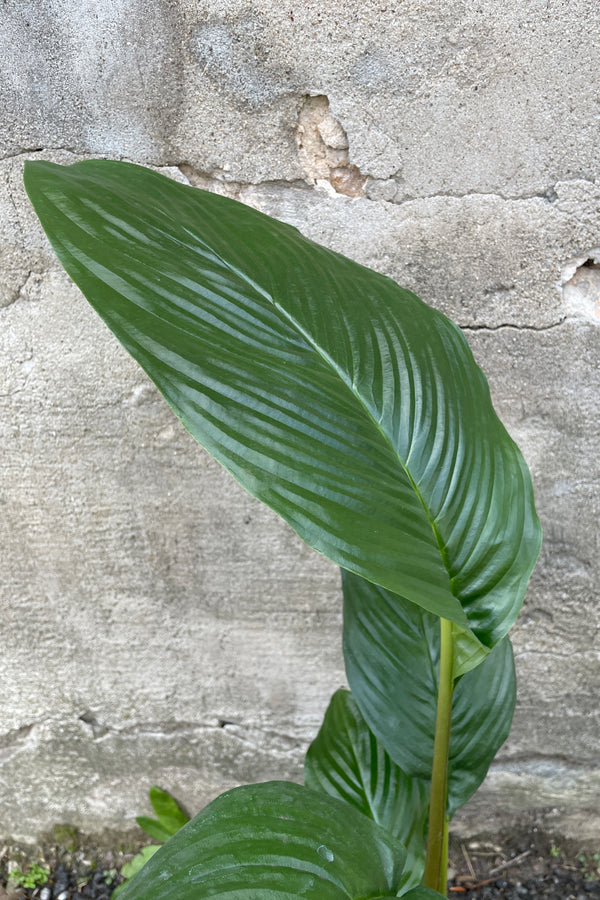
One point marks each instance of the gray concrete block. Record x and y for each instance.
(454, 100)
(545, 385)
(145, 599)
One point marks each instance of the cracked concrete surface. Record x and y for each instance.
(158, 625)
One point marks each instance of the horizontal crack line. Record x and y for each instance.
(166, 729)
(513, 327)
(26, 151)
(547, 195)
(536, 763)
(13, 742)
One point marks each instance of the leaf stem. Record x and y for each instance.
(437, 839)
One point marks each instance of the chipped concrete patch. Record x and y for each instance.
(580, 283)
(323, 149)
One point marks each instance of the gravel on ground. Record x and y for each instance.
(517, 865)
(523, 864)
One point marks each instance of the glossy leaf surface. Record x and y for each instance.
(336, 397)
(391, 650)
(347, 761)
(275, 841)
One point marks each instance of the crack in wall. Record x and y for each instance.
(517, 327)
(324, 151)
(25, 739)
(321, 159)
(16, 293)
(27, 151)
(218, 182)
(386, 190)
(24, 151)
(540, 765)
(238, 730)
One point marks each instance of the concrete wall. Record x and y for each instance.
(157, 624)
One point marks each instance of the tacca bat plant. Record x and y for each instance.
(358, 414)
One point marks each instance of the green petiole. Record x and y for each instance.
(436, 863)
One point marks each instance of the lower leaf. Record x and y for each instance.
(391, 651)
(276, 841)
(347, 761)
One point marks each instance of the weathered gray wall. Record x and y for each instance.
(145, 599)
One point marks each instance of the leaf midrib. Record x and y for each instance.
(243, 276)
(355, 393)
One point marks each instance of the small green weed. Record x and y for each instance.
(590, 865)
(169, 819)
(35, 875)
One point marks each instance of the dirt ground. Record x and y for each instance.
(524, 863)
(515, 865)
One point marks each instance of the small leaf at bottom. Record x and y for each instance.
(347, 761)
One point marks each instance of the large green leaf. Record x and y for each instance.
(340, 400)
(391, 650)
(275, 841)
(347, 761)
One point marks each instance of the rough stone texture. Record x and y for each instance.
(546, 386)
(157, 624)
